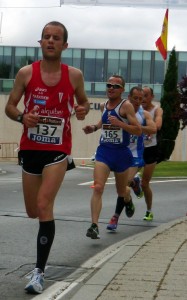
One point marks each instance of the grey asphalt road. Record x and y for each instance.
(71, 248)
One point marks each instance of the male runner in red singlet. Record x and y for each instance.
(49, 88)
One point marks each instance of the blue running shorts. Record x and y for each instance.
(117, 159)
(138, 162)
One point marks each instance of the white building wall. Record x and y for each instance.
(84, 146)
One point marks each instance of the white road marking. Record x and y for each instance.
(10, 179)
(155, 181)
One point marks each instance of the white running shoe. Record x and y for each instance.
(35, 285)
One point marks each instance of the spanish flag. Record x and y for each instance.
(161, 43)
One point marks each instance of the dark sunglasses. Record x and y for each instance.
(114, 86)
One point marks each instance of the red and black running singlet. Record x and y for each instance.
(54, 105)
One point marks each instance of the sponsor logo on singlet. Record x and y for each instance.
(60, 95)
(41, 102)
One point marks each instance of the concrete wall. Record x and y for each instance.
(84, 146)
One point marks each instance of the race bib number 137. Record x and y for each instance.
(49, 130)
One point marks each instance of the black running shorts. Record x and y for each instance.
(150, 155)
(33, 161)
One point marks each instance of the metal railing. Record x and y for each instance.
(8, 150)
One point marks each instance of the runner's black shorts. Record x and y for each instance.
(33, 161)
(150, 155)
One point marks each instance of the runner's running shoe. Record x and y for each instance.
(129, 209)
(35, 285)
(93, 232)
(148, 216)
(136, 186)
(113, 224)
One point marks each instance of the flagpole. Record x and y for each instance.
(165, 67)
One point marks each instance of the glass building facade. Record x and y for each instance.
(138, 67)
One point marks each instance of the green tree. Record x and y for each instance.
(170, 104)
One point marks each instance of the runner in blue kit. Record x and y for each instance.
(117, 123)
(137, 148)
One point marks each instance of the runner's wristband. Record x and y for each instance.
(95, 128)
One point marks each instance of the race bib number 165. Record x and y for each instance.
(111, 134)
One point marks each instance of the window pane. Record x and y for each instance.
(7, 85)
(113, 62)
(20, 58)
(158, 69)
(40, 54)
(88, 87)
(157, 89)
(136, 67)
(67, 57)
(99, 70)
(7, 51)
(146, 67)
(6, 62)
(77, 58)
(90, 53)
(100, 89)
(89, 65)
(1, 52)
(123, 60)
(30, 55)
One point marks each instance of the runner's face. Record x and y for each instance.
(115, 90)
(52, 42)
(136, 99)
(147, 98)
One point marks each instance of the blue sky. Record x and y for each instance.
(104, 27)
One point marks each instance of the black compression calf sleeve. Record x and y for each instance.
(45, 239)
(120, 204)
